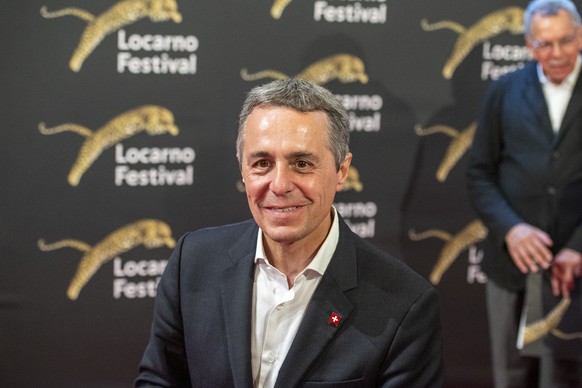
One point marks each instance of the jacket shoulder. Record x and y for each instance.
(519, 77)
(223, 234)
(390, 271)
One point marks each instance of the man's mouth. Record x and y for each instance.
(284, 209)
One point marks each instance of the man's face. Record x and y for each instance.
(290, 174)
(554, 43)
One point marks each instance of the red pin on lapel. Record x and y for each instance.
(334, 319)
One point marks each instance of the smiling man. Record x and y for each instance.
(292, 297)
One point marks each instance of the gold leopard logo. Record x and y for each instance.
(461, 142)
(149, 233)
(152, 119)
(353, 181)
(345, 68)
(119, 15)
(278, 7)
(470, 235)
(548, 325)
(507, 19)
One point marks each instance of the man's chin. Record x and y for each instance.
(281, 234)
(558, 76)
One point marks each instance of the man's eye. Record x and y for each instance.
(302, 164)
(262, 164)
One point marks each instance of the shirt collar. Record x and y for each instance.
(322, 257)
(569, 81)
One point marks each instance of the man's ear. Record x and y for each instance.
(342, 173)
(529, 45)
(579, 38)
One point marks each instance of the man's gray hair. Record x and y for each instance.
(302, 96)
(549, 8)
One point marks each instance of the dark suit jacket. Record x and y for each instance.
(389, 334)
(520, 171)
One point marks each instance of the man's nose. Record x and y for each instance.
(281, 179)
(557, 49)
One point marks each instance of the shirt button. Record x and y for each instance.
(552, 190)
(271, 358)
(280, 306)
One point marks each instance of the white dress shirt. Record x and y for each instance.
(558, 96)
(278, 309)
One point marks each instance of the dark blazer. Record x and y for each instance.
(520, 171)
(389, 334)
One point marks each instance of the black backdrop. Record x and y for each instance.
(132, 192)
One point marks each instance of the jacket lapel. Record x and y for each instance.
(315, 331)
(535, 101)
(572, 111)
(237, 292)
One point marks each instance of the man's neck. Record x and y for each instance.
(290, 258)
(293, 257)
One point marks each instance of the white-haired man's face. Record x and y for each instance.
(554, 42)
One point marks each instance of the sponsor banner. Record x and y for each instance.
(119, 124)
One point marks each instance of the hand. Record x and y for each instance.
(529, 247)
(566, 267)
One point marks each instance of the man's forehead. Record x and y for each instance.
(279, 117)
(557, 18)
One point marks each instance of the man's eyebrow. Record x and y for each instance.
(311, 156)
(259, 154)
(302, 154)
(292, 155)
